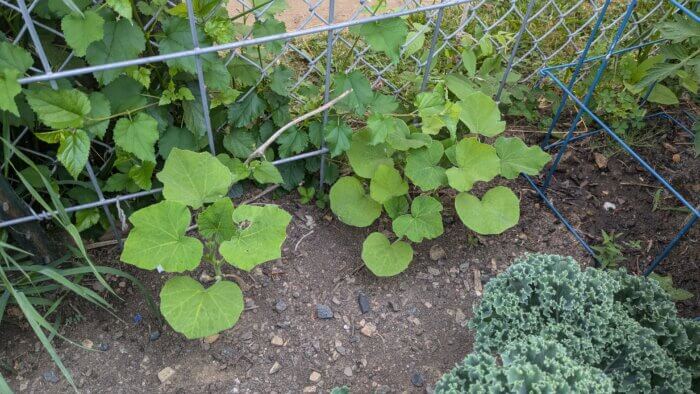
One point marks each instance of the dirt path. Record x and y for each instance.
(413, 333)
(298, 13)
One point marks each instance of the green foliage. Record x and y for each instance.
(384, 258)
(609, 322)
(197, 312)
(402, 163)
(535, 365)
(244, 237)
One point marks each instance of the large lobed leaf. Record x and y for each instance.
(197, 312)
(476, 162)
(495, 213)
(193, 178)
(424, 221)
(259, 236)
(384, 258)
(158, 239)
(351, 204)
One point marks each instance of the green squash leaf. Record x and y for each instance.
(396, 206)
(481, 115)
(238, 169)
(383, 258)
(350, 203)
(459, 85)
(59, 108)
(385, 36)
(477, 162)
(158, 239)
(81, 31)
(197, 312)
(495, 213)
(216, 222)
(142, 174)
(364, 158)
(259, 236)
(387, 183)
(516, 157)
(193, 178)
(137, 136)
(424, 222)
(422, 167)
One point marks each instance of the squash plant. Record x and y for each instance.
(243, 236)
(400, 168)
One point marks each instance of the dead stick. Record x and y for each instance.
(259, 151)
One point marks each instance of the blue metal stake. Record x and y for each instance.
(577, 70)
(591, 89)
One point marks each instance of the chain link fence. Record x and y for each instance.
(539, 32)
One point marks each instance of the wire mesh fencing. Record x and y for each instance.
(538, 33)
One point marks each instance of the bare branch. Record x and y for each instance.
(259, 151)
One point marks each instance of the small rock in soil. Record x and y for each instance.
(280, 306)
(395, 307)
(275, 367)
(309, 389)
(153, 336)
(103, 347)
(347, 371)
(324, 311)
(247, 336)
(368, 330)
(277, 341)
(417, 379)
(363, 301)
(165, 374)
(50, 376)
(437, 252)
(315, 376)
(211, 338)
(87, 343)
(433, 271)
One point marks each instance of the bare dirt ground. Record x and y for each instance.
(298, 12)
(414, 332)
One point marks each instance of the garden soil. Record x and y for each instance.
(413, 330)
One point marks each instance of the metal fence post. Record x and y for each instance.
(577, 71)
(327, 91)
(516, 46)
(431, 51)
(589, 94)
(200, 75)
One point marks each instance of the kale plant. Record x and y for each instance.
(624, 326)
(534, 365)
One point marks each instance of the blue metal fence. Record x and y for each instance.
(583, 109)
